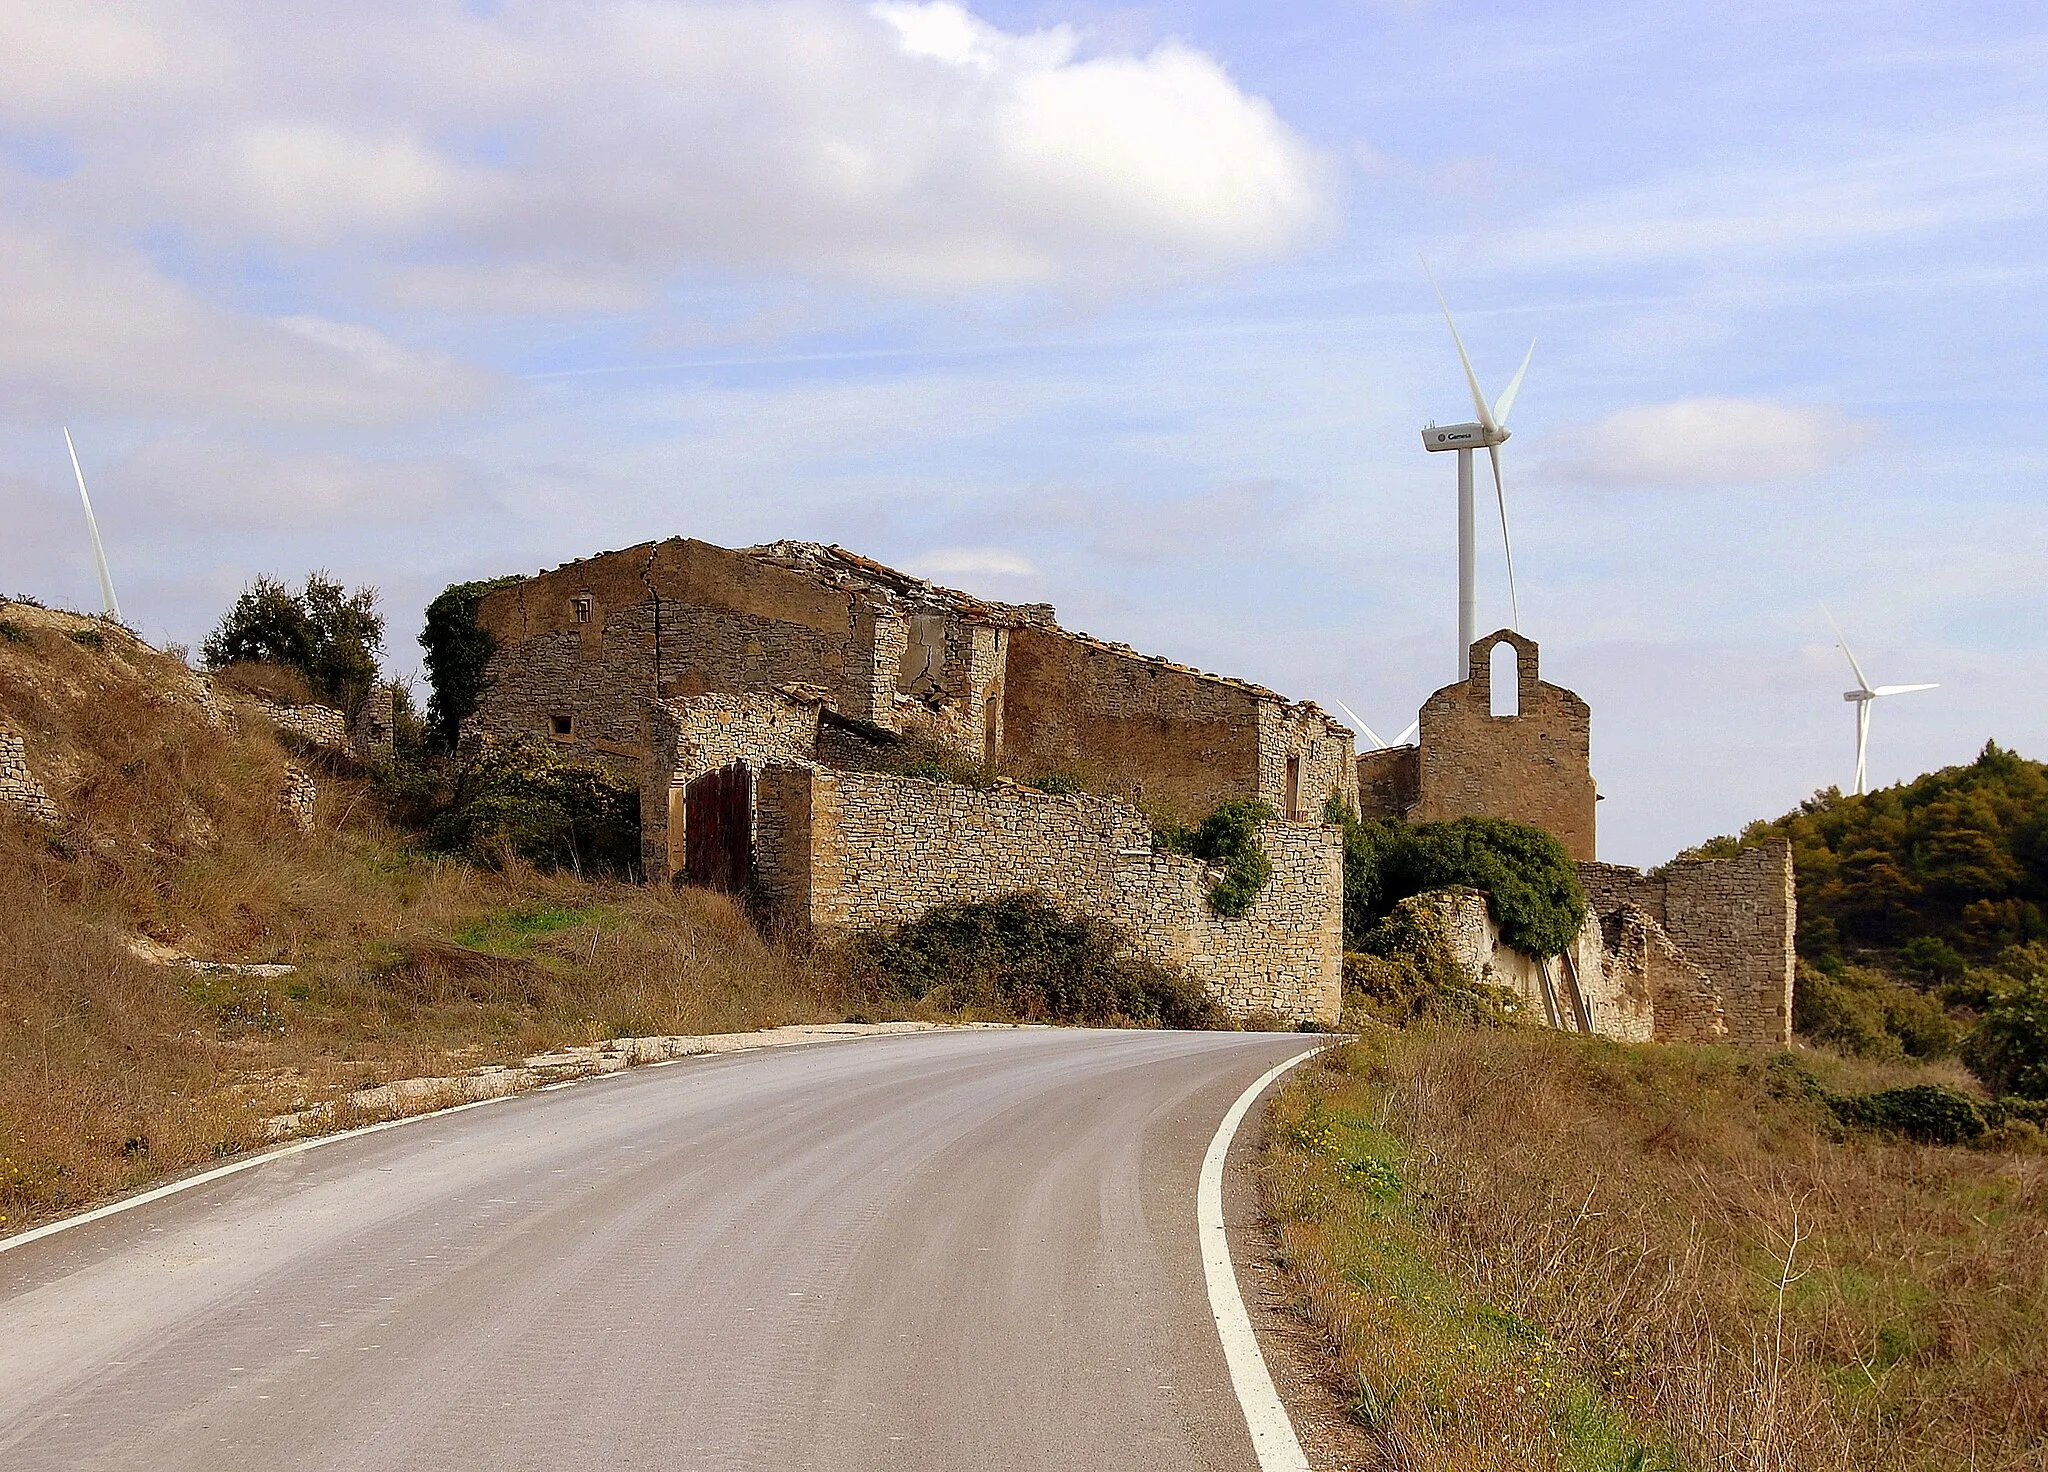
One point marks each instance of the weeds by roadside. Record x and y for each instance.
(1532, 1250)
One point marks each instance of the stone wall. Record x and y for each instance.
(1648, 969)
(838, 850)
(687, 738)
(21, 795)
(1389, 781)
(1733, 917)
(1171, 740)
(319, 725)
(1534, 767)
(1322, 753)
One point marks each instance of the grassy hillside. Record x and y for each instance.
(1526, 1250)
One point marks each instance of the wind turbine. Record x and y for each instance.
(1861, 697)
(99, 553)
(1374, 736)
(1491, 431)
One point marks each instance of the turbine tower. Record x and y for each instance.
(1491, 431)
(1861, 697)
(108, 601)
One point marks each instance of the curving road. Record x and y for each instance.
(943, 1251)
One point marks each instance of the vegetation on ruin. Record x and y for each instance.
(1531, 888)
(1019, 958)
(1528, 1249)
(457, 652)
(324, 634)
(523, 800)
(1228, 836)
(1402, 971)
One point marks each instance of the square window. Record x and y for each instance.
(582, 605)
(563, 725)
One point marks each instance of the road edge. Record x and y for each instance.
(1272, 1431)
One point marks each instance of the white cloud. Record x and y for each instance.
(1711, 441)
(92, 328)
(910, 146)
(965, 562)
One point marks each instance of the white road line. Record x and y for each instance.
(1273, 1438)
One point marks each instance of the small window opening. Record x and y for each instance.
(563, 725)
(582, 604)
(1294, 787)
(1504, 677)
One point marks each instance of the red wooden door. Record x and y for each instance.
(718, 830)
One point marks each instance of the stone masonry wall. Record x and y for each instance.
(687, 738)
(1534, 767)
(1325, 754)
(1734, 919)
(1173, 741)
(21, 795)
(838, 850)
(1389, 781)
(1678, 999)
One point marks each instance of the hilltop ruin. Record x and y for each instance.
(747, 690)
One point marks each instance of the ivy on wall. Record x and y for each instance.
(458, 650)
(1229, 836)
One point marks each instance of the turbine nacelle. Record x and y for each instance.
(1463, 436)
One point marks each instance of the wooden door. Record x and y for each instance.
(718, 829)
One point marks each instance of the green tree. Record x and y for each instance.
(2008, 1048)
(327, 634)
(1532, 888)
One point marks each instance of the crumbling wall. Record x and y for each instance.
(687, 738)
(1734, 918)
(1534, 767)
(1653, 973)
(839, 850)
(21, 795)
(1322, 755)
(1572, 992)
(1389, 781)
(1174, 741)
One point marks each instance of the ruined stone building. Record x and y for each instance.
(743, 689)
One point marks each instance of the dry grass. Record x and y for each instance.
(114, 1069)
(1543, 1251)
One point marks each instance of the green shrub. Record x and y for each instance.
(1855, 1009)
(1020, 957)
(458, 650)
(1228, 836)
(1929, 1113)
(14, 633)
(2008, 1048)
(1530, 884)
(90, 638)
(1404, 972)
(521, 798)
(330, 636)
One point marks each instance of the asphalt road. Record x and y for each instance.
(945, 1251)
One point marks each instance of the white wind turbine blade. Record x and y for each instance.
(1366, 730)
(1500, 494)
(1902, 689)
(1505, 405)
(1471, 378)
(109, 602)
(1861, 683)
(1413, 726)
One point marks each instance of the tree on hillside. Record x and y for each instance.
(328, 635)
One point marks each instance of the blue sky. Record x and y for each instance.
(1116, 307)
